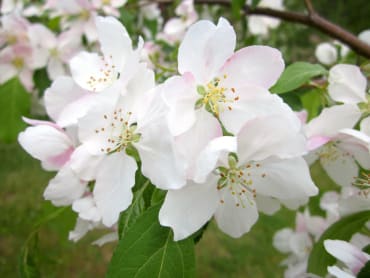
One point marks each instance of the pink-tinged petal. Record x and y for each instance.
(190, 143)
(205, 49)
(41, 122)
(253, 65)
(186, 210)
(84, 164)
(208, 158)
(114, 180)
(302, 116)
(41, 36)
(114, 40)
(64, 188)
(347, 84)
(66, 102)
(283, 178)
(267, 205)
(338, 273)
(156, 148)
(350, 255)
(60, 159)
(236, 220)
(333, 119)
(56, 145)
(180, 95)
(339, 165)
(86, 71)
(252, 102)
(315, 142)
(269, 136)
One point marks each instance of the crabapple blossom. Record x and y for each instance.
(228, 85)
(119, 61)
(233, 188)
(365, 36)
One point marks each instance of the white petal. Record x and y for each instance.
(252, 102)
(205, 49)
(338, 273)
(64, 188)
(86, 209)
(347, 84)
(106, 239)
(269, 136)
(339, 165)
(180, 95)
(208, 158)
(156, 149)
(66, 102)
(253, 65)
(281, 240)
(267, 205)
(86, 71)
(365, 126)
(55, 148)
(283, 179)
(188, 209)
(365, 36)
(236, 220)
(81, 229)
(333, 119)
(114, 40)
(84, 164)
(190, 143)
(112, 191)
(55, 68)
(350, 255)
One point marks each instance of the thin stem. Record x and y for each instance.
(309, 7)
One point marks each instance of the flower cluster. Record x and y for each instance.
(213, 136)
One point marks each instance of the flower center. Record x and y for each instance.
(18, 62)
(330, 153)
(216, 98)
(238, 181)
(121, 133)
(106, 76)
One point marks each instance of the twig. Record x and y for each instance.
(312, 19)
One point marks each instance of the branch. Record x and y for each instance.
(312, 19)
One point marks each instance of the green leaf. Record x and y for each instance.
(15, 102)
(365, 271)
(343, 229)
(41, 80)
(130, 215)
(312, 102)
(295, 75)
(147, 250)
(236, 8)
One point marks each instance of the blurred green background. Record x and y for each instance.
(217, 255)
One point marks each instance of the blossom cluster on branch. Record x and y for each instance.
(206, 125)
